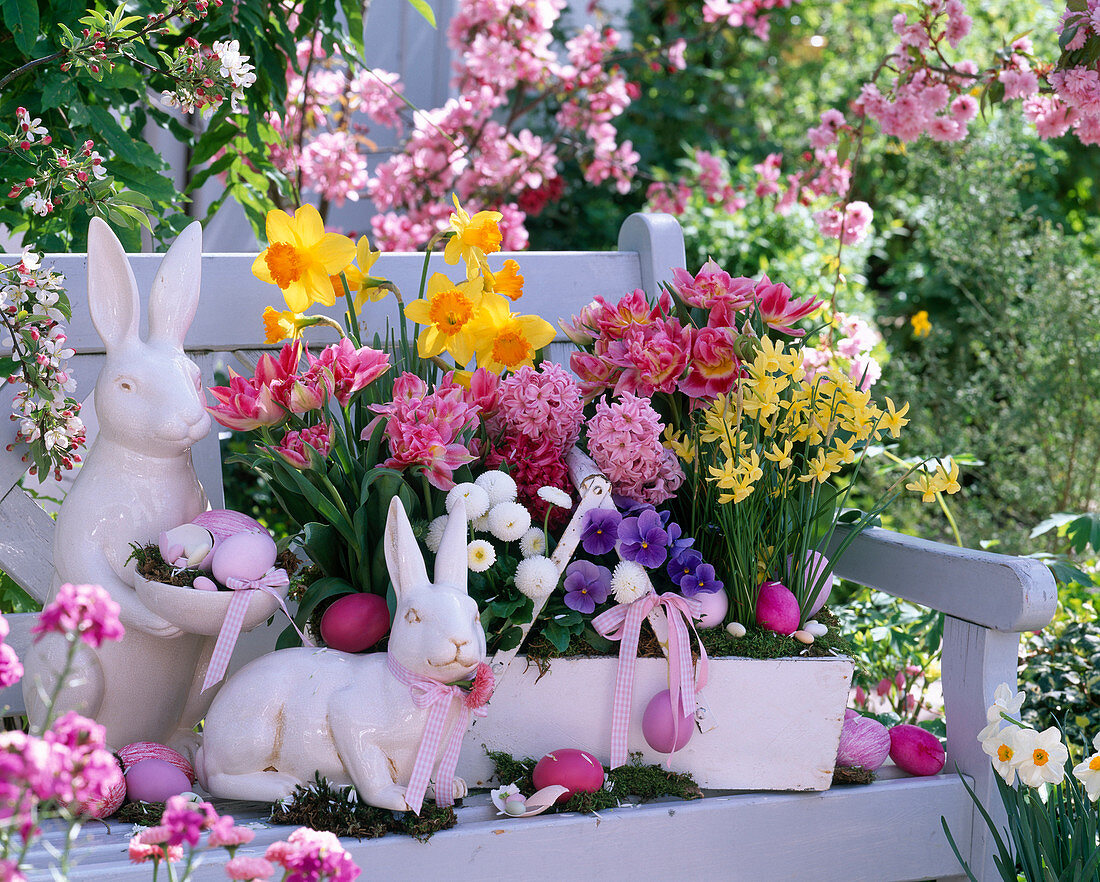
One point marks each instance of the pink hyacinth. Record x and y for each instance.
(10, 872)
(86, 611)
(624, 440)
(312, 856)
(249, 869)
(545, 402)
(351, 369)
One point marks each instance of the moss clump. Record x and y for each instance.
(152, 566)
(323, 806)
(147, 814)
(757, 643)
(635, 779)
(853, 776)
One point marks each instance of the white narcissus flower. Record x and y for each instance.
(629, 581)
(1004, 702)
(1000, 746)
(508, 521)
(500, 486)
(556, 496)
(536, 577)
(473, 497)
(481, 555)
(435, 533)
(1040, 756)
(532, 542)
(1088, 771)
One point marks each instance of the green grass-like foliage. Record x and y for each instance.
(324, 806)
(637, 779)
(1053, 841)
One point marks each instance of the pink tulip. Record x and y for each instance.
(293, 446)
(244, 406)
(714, 365)
(351, 369)
(778, 310)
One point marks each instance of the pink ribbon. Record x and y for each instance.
(439, 697)
(624, 623)
(243, 589)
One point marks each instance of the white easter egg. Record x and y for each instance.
(244, 556)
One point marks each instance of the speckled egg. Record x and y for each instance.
(355, 622)
(657, 727)
(574, 769)
(154, 780)
(244, 556)
(139, 751)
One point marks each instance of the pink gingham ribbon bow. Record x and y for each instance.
(439, 697)
(269, 583)
(624, 623)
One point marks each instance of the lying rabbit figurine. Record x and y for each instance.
(298, 711)
(137, 481)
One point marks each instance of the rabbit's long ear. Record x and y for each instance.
(175, 295)
(112, 289)
(403, 557)
(452, 559)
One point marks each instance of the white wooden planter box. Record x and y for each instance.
(778, 721)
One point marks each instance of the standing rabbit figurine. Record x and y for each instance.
(138, 480)
(358, 719)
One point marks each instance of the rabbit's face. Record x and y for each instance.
(149, 399)
(437, 633)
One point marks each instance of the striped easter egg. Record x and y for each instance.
(222, 523)
(109, 804)
(132, 754)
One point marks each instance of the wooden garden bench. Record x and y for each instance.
(890, 830)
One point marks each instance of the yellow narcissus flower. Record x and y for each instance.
(473, 238)
(361, 284)
(301, 257)
(505, 341)
(447, 312)
(507, 281)
(279, 326)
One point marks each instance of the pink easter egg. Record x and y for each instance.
(657, 727)
(132, 754)
(204, 584)
(355, 622)
(713, 606)
(816, 566)
(916, 750)
(574, 769)
(244, 556)
(777, 609)
(112, 799)
(223, 523)
(154, 780)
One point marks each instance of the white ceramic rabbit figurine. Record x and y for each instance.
(298, 711)
(138, 480)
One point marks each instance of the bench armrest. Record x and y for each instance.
(996, 591)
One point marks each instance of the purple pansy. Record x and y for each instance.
(683, 564)
(701, 582)
(586, 585)
(677, 542)
(601, 529)
(643, 539)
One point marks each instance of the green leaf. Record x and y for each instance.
(425, 10)
(21, 17)
(353, 12)
(1067, 35)
(322, 543)
(322, 589)
(1077, 5)
(8, 366)
(844, 147)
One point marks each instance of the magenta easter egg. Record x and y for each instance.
(657, 725)
(355, 622)
(713, 606)
(139, 751)
(244, 556)
(916, 750)
(114, 793)
(777, 608)
(574, 769)
(154, 780)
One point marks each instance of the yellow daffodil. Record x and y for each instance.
(301, 256)
(679, 443)
(780, 454)
(473, 238)
(922, 484)
(506, 341)
(819, 468)
(507, 281)
(922, 327)
(279, 326)
(894, 419)
(947, 480)
(447, 312)
(354, 279)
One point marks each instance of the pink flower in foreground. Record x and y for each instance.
(223, 834)
(293, 446)
(183, 821)
(10, 872)
(313, 855)
(243, 406)
(778, 310)
(624, 440)
(543, 403)
(140, 852)
(710, 284)
(352, 369)
(84, 610)
(482, 687)
(11, 669)
(249, 869)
